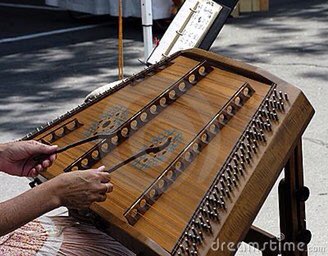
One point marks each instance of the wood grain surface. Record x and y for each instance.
(160, 229)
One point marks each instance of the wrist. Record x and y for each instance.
(51, 189)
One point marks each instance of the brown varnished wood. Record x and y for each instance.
(160, 229)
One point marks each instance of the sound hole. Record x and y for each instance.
(164, 152)
(107, 123)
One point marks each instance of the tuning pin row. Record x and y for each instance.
(216, 201)
(278, 99)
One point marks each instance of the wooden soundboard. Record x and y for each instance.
(232, 129)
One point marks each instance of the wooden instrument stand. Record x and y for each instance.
(292, 197)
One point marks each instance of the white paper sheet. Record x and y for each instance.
(187, 29)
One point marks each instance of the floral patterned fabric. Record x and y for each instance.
(60, 235)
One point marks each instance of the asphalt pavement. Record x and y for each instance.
(50, 60)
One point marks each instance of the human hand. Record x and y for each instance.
(16, 157)
(79, 189)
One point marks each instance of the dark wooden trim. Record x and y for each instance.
(292, 197)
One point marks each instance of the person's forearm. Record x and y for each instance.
(18, 211)
(2, 148)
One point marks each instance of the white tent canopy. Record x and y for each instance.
(131, 8)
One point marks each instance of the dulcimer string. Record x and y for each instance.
(129, 161)
(192, 183)
(119, 166)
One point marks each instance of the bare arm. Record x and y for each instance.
(26, 207)
(75, 190)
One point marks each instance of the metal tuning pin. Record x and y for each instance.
(275, 93)
(242, 164)
(182, 248)
(196, 223)
(286, 97)
(275, 103)
(235, 160)
(187, 241)
(254, 149)
(255, 143)
(214, 198)
(242, 156)
(208, 224)
(201, 235)
(235, 174)
(223, 192)
(223, 184)
(280, 94)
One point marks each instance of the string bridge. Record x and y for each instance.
(188, 154)
(142, 117)
(61, 131)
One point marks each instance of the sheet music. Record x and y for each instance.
(187, 29)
